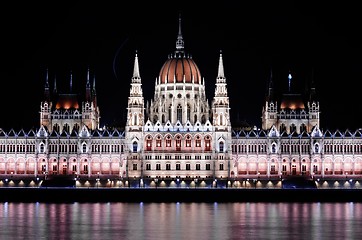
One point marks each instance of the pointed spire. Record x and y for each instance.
(312, 93)
(87, 88)
(289, 80)
(55, 85)
(270, 88)
(180, 41)
(221, 67)
(47, 80)
(71, 80)
(46, 87)
(88, 84)
(94, 84)
(136, 73)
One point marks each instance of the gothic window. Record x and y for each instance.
(168, 166)
(135, 119)
(179, 113)
(135, 146)
(84, 148)
(188, 112)
(274, 148)
(282, 128)
(85, 169)
(221, 166)
(292, 128)
(188, 166)
(148, 166)
(221, 146)
(66, 127)
(170, 112)
(56, 127)
(178, 166)
(316, 148)
(163, 118)
(188, 141)
(315, 168)
(76, 127)
(158, 141)
(198, 142)
(208, 166)
(41, 148)
(207, 143)
(203, 119)
(195, 118)
(178, 143)
(198, 166)
(303, 128)
(168, 141)
(158, 166)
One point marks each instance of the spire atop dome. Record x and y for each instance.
(180, 40)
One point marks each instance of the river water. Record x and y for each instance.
(186, 221)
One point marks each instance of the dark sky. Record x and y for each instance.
(320, 42)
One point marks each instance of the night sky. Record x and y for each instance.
(319, 42)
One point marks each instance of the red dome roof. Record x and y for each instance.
(180, 68)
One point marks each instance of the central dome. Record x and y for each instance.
(180, 69)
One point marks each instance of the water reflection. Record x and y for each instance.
(181, 221)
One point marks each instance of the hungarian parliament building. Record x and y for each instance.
(178, 138)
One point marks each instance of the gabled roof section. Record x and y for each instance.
(54, 134)
(84, 132)
(358, 133)
(31, 133)
(284, 134)
(2, 133)
(12, 133)
(304, 134)
(95, 133)
(347, 133)
(328, 134)
(273, 132)
(64, 134)
(42, 132)
(316, 132)
(21, 133)
(262, 133)
(338, 134)
(252, 133)
(294, 134)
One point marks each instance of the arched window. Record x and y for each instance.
(303, 128)
(207, 143)
(203, 119)
(195, 118)
(170, 113)
(84, 148)
(179, 113)
(292, 128)
(149, 143)
(274, 148)
(221, 146)
(163, 118)
(135, 146)
(178, 143)
(188, 117)
(66, 127)
(135, 119)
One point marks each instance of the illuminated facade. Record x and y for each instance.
(179, 139)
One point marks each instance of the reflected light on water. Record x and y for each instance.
(180, 221)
